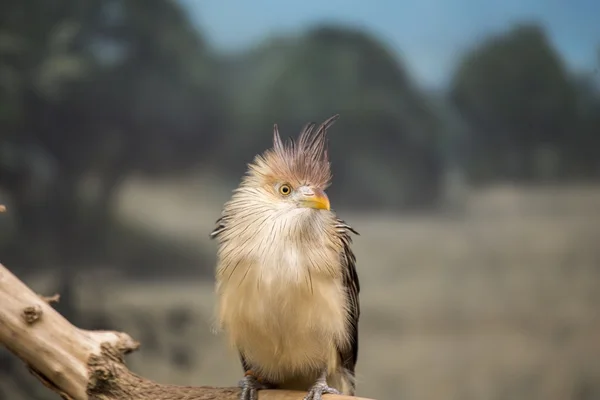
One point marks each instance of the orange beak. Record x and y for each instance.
(315, 198)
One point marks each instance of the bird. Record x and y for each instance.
(286, 283)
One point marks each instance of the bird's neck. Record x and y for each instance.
(288, 246)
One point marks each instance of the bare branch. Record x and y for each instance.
(82, 365)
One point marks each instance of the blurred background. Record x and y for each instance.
(466, 155)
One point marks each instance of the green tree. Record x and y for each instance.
(582, 150)
(519, 101)
(91, 92)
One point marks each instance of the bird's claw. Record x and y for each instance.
(318, 390)
(250, 387)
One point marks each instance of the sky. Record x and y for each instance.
(429, 36)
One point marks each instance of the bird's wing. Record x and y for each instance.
(349, 354)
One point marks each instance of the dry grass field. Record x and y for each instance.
(499, 303)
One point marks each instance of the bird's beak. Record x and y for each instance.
(314, 198)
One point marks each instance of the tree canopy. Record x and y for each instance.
(89, 93)
(521, 104)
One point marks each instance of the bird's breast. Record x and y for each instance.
(284, 311)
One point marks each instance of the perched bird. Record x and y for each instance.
(286, 282)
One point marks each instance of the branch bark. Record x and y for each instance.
(80, 364)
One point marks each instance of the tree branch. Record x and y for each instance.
(82, 365)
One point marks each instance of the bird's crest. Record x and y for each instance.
(300, 161)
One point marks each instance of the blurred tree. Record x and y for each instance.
(582, 150)
(90, 92)
(517, 97)
(386, 139)
(40, 62)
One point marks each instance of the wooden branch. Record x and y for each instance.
(80, 364)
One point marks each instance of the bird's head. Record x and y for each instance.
(292, 175)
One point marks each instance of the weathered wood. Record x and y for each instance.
(82, 365)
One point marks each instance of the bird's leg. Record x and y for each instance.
(320, 388)
(250, 386)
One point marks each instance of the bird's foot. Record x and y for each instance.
(320, 388)
(250, 386)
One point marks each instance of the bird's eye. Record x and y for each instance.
(285, 189)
